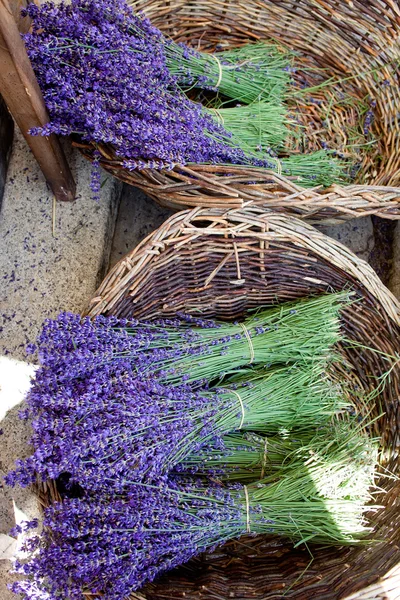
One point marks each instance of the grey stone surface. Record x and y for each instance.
(138, 217)
(5, 578)
(41, 274)
(357, 234)
(15, 504)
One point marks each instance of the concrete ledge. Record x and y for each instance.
(357, 234)
(138, 216)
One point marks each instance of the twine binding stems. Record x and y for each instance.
(241, 405)
(246, 333)
(220, 69)
(264, 459)
(248, 530)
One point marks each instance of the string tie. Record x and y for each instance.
(241, 404)
(251, 347)
(220, 69)
(246, 493)
(264, 459)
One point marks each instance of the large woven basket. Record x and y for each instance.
(222, 263)
(357, 41)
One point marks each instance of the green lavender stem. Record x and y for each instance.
(253, 72)
(282, 399)
(317, 168)
(260, 130)
(302, 331)
(320, 494)
(297, 397)
(259, 126)
(251, 457)
(300, 397)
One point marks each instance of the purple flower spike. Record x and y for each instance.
(103, 74)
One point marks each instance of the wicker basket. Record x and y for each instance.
(222, 263)
(351, 40)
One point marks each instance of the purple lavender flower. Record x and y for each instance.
(116, 402)
(95, 176)
(103, 74)
(108, 432)
(368, 121)
(114, 546)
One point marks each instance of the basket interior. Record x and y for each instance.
(221, 267)
(355, 42)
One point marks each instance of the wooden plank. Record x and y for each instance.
(21, 92)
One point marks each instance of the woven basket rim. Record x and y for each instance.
(304, 233)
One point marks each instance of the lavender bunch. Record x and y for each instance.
(104, 78)
(252, 72)
(107, 77)
(113, 429)
(291, 332)
(115, 545)
(250, 457)
(189, 349)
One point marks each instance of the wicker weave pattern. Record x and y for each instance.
(223, 263)
(343, 37)
(387, 588)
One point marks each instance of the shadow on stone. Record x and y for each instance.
(138, 216)
(6, 138)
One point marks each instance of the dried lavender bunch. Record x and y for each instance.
(259, 126)
(189, 348)
(250, 457)
(104, 77)
(115, 545)
(252, 72)
(112, 427)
